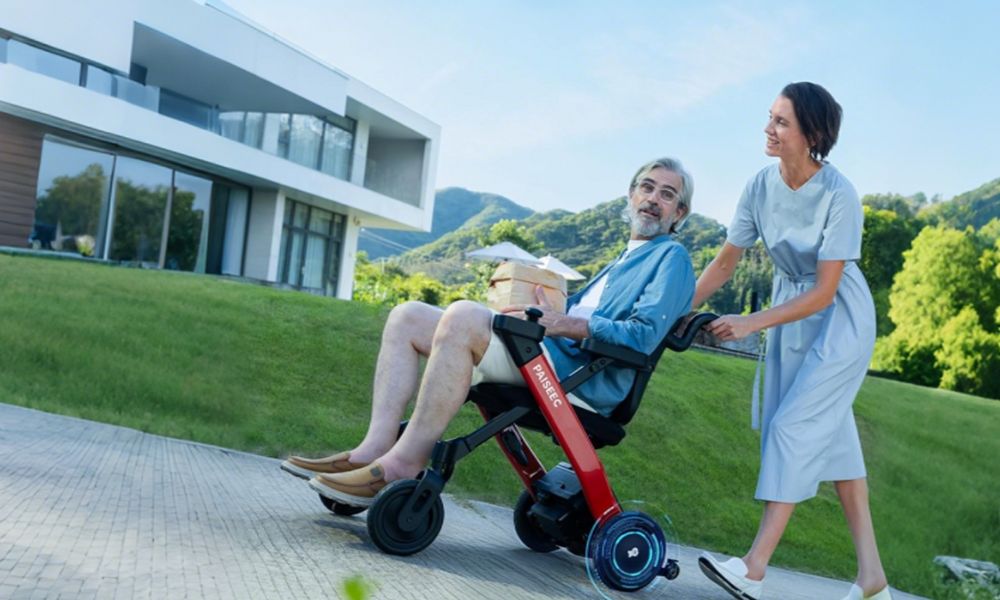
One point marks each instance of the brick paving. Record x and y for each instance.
(89, 510)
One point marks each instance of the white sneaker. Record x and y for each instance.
(731, 576)
(857, 593)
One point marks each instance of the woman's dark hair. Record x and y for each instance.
(818, 115)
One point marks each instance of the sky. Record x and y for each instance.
(554, 104)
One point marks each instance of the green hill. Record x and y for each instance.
(270, 371)
(585, 240)
(976, 208)
(454, 209)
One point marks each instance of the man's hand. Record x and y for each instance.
(732, 327)
(542, 303)
(555, 322)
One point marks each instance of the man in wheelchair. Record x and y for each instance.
(632, 302)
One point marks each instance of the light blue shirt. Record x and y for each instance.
(644, 295)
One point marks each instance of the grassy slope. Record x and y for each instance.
(270, 372)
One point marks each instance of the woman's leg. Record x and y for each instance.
(772, 527)
(854, 498)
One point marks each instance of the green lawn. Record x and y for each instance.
(270, 372)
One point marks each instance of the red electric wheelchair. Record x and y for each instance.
(571, 506)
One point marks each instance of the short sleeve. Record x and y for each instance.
(743, 230)
(842, 233)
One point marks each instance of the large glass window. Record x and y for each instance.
(139, 205)
(284, 134)
(146, 96)
(73, 187)
(338, 148)
(236, 224)
(231, 125)
(310, 248)
(253, 132)
(43, 61)
(186, 109)
(325, 144)
(227, 229)
(187, 240)
(306, 136)
(100, 81)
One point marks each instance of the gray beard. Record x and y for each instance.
(640, 226)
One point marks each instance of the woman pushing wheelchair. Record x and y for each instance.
(821, 333)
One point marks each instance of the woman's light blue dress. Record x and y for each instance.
(814, 366)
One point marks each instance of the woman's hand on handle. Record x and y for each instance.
(732, 327)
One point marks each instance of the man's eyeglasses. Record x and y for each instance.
(664, 194)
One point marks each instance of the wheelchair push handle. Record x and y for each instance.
(682, 335)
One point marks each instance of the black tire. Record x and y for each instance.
(628, 551)
(344, 510)
(529, 533)
(383, 520)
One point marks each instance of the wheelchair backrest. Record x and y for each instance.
(678, 339)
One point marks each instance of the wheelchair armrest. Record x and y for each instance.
(623, 356)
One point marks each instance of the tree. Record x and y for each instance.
(138, 222)
(944, 306)
(752, 277)
(509, 230)
(887, 234)
(184, 236)
(905, 207)
(386, 284)
(969, 356)
(73, 204)
(941, 274)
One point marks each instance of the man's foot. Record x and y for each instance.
(731, 576)
(356, 488)
(307, 468)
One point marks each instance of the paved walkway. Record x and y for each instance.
(89, 510)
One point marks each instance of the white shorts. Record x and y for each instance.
(497, 366)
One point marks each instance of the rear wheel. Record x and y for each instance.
(527, 531)
(628, 551)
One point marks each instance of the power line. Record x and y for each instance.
(385, 241)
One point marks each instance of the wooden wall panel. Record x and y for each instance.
(20, 155)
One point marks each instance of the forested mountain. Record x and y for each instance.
(975, 208)
(584, 240)
(454, 208)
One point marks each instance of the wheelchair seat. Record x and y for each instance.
(495, 398)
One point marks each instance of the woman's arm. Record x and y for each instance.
(717, 273)
(734, 327)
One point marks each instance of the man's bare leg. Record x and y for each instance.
(461, 339)
(408, 335)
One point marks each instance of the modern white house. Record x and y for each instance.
(177, 134)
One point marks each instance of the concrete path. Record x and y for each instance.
(89, 510)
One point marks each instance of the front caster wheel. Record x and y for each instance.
(344, 510)
(393, 534)
(628, 551)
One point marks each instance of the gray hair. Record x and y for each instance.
(687, 185)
